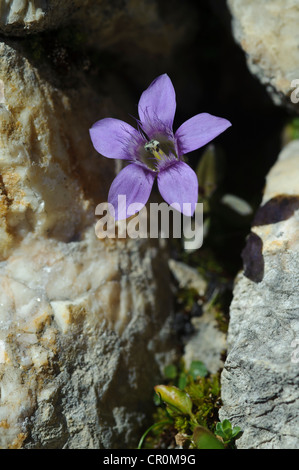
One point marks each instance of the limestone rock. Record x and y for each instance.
(84, 323)
(187, 277)
(206, 344)
(139, 36)
(50, 175)
(81, 334)
(151, 26)
(268, 33)
(261, 375)
(19, 17)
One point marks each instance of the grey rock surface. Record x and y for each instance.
(260, 378)
(267, 31)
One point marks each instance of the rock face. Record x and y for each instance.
(147, 25)
(84, 323)
(268, 33)
(261, 374)
(49, 173)
(20, 17)
(81, 341)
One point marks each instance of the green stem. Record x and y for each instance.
(193, 419)
(155, 425)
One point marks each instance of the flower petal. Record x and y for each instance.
(198, 131)
(113, 138)
(178, 184)
(158, 103)
(132, 185)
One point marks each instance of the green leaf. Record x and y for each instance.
(182, 381)
(226, 425)
(224, 430)
(198, 369)
(170, 372)
(219, 431)
(236, 431)
(175, 398)
(205, 439)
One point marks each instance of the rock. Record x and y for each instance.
(268, 34)
(187, 277)
(260, 376)
(127, 25)
(84, 323)
(49, 172)
(139, 37)
(206, 344)
(20, 17)
(82, 332)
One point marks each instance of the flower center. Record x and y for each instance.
(156, 154)
(153, 147)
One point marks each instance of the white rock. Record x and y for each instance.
(187, 277)
(268, 33)
(3, 355)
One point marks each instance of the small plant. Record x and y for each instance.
(187, 412)
(227, 432)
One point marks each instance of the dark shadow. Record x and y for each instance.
(278, 208)
(253, 259)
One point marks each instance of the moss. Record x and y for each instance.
(196, 428)
(181, 425)
(186, 298)
(205, 396)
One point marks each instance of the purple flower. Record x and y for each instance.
(154, 150)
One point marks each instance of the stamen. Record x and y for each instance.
(153, 147)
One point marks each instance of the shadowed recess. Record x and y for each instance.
(277, 209)
(253, 260)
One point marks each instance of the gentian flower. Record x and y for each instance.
(154, 150)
